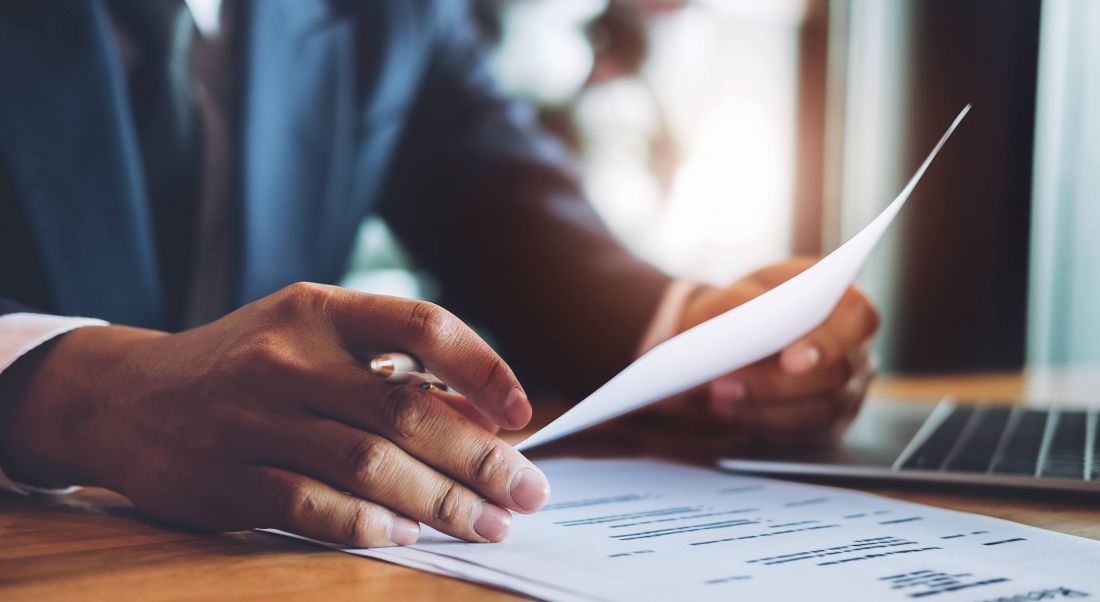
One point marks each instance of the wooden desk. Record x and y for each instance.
(94, 545)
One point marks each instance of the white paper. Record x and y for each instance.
(739, 337)
(649, 530)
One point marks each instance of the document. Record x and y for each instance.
(650, 530)
(739, 337)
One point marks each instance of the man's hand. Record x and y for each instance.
(808, 392)
(269, 418)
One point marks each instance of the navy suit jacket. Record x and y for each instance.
(347, 108)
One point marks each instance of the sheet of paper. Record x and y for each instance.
(649, 530)
(739, 337)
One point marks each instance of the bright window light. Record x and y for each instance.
(723, 84)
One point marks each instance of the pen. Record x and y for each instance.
(402, 368)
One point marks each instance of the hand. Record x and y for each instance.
(269, 418)
(807, 393)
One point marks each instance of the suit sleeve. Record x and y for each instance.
(22, 284)
(492, 208)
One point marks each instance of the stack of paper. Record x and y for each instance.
(648, 530)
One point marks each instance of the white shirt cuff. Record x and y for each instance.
(666, 319)
(19, 334)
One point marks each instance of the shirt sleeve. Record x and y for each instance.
(19, 334)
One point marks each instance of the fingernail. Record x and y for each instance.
(529, 490)
(516, 409)
(800, 358)
(493, 523)
(404, 531)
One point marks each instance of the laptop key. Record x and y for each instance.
(935, 449)
(1020, 453)
(1066, 454)
(976, 453)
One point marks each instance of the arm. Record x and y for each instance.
(22, 335)
(269, 418)
(490, 205)
(492, 208)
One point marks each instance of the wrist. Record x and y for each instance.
(57, 407)
(697, 307)
(668, 320)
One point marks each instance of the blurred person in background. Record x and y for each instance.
(180, 177)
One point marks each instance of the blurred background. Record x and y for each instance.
(716, 136)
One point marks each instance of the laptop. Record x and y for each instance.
(980, 443)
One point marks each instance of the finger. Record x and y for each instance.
(765, 382)
(774, 275)
(463, 406)
(374, 468)
(865, 365)
(291, 502)
(430, 430)
(853, 321)
(445, 345)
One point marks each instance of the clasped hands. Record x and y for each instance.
(268, 417)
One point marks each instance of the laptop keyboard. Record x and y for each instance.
(1012, 441)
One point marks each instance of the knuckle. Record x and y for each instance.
(268, 354)
(874, 318)
(490, 464)
(449, 506)
(405, 410)
(370, 459)
(296, 502)
(431, 323)
(844, 373)
(304, 291)
(298, 299)
(365, 527)
(256, 354)
(493, 371)
(267, 349)
(859, 302)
